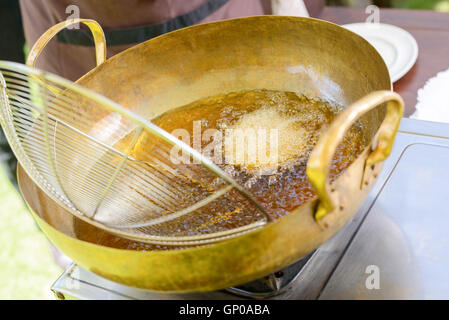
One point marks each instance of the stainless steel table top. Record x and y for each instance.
(396, 247)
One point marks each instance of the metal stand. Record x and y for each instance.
(395, 247)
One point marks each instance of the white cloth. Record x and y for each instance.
(289, 8)
(433, 99)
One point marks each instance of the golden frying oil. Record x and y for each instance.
(300, 121)
(291, 187)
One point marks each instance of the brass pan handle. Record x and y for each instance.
(320, 159)
(95, 28)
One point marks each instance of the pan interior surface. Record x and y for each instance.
(193, 64)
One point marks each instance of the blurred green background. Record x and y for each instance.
(438, 5)
(27, 267)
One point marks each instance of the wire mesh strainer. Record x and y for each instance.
(115, 169)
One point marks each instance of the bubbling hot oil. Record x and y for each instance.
(296, 117)
(299, 121)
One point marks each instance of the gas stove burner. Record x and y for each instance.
(273, 284)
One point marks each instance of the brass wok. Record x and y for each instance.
(308, 56)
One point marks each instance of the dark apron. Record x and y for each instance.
(125, 23)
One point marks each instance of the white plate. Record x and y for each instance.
(397, 47)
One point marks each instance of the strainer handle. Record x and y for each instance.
(320, 159)
(95, 28)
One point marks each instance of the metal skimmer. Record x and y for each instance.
(113, 168)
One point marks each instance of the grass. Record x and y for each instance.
(439, 5)
(27, 269)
